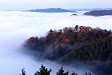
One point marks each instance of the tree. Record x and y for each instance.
(23, 71)
(87, 74)
(51, 31)
(76, 27)
(61, 72)
(74, 73)
(43, 71)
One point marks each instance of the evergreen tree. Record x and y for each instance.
(61, 72)
(43, 71)
(76, 27)
(74, 73)
(23, 71)
(87, 74)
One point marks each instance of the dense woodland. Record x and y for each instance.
(78, 43)
(99, 12)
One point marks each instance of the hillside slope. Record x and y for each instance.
(61, 42)
(79, 45)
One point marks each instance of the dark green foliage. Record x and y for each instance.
(96, 50)
(75, 44)
(85, 45)
(61, 72)
(61, 42)
(87, 74)
(43, 71)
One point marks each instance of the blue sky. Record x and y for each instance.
(69, 4)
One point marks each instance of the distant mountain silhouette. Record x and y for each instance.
(91, 9)
(50, 10)
(99, 12)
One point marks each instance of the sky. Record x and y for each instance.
(68, 4)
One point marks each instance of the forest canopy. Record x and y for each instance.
(79, 43)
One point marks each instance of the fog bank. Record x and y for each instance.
(17, 26)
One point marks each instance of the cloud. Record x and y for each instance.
(17, 26)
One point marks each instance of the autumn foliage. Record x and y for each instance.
(60, 42)
(78, 43)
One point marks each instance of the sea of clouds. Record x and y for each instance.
(17, 26)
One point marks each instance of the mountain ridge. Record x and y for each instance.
(99, 13)
(50, 10)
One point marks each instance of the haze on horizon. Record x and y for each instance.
(68, 4)
(17, 26)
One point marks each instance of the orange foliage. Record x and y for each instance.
(31, 39)
(110, 35)
(55, 33)
(85, 31)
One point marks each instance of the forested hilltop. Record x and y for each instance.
(78, 43)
